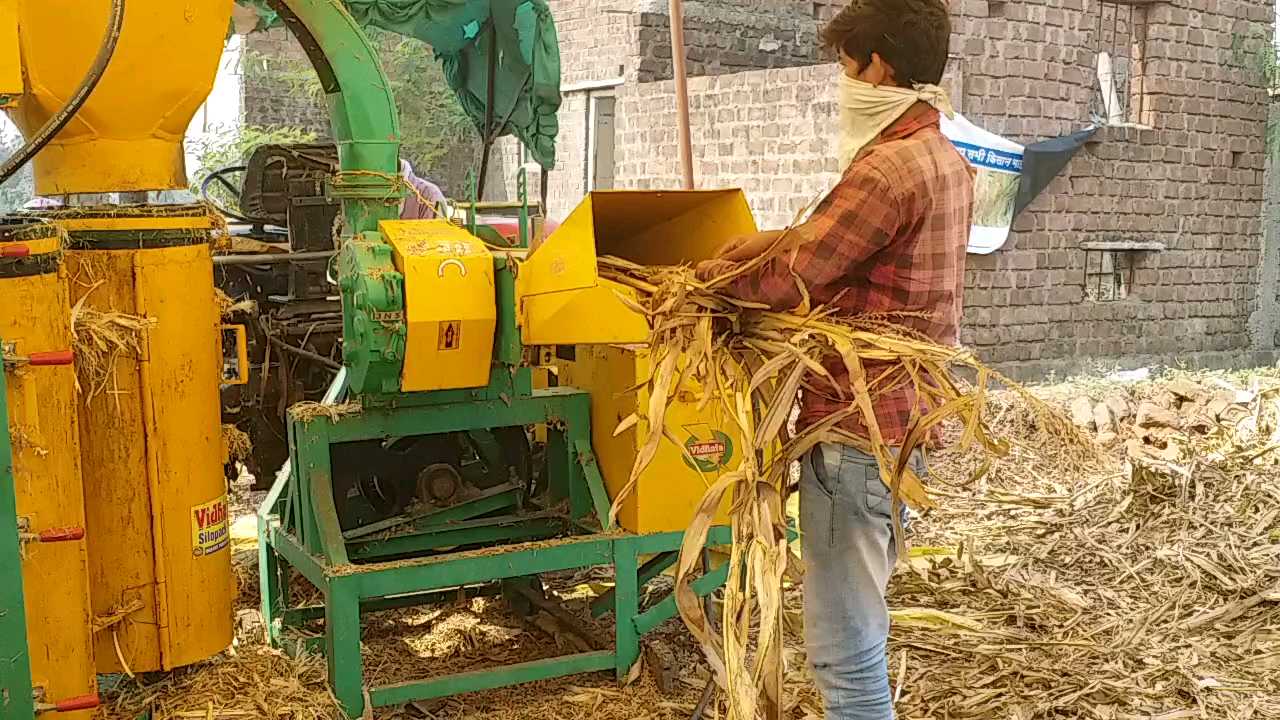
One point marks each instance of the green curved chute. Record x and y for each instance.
(517, 36)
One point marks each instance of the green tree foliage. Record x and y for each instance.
(432, 124)
(1255, 53)
(21, 187)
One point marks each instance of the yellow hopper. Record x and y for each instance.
(564, 302)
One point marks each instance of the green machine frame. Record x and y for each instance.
(498, 542)
(433, 557)
(16, 699)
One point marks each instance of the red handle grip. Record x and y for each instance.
(83, 702)
(15, 251)
(66, 534)
(56, 357)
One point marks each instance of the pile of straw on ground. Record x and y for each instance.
(255, 682)
(753, 362)
(1143, 588)
(1032, 591)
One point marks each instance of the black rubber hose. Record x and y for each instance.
(56, 123)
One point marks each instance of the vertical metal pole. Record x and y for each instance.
(489, 130)
(682, 91)
(16, 702)
(626, 604)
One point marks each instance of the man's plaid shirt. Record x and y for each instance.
(890, 237)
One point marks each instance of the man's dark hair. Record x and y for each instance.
(912, 36)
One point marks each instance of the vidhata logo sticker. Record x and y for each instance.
(709, 453)
(209, 529)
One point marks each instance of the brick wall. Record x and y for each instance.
(596, 39)
(727, 36)
(1192, 181)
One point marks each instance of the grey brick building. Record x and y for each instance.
(1180, 172)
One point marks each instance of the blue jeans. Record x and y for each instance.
(849, 554)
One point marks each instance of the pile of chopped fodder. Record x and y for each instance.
(476, 633)
(752, 362)
(1129, 589)
(255, 682)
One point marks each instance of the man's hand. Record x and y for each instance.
(748, 246)
(710, 269)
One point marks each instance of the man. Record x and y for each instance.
(414, 208)
(890, 236)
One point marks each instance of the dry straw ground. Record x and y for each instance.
(1144, 587)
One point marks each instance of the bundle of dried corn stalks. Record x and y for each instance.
(754, 362)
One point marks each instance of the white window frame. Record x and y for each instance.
(593, 102)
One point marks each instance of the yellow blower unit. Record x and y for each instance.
(128, 136)
(450, 310)
(42, 426)
(564, 301)
(151, 445)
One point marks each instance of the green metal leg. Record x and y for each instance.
(16, 702)
(342, 645)
(585, 497)
(314, 475)
(273, 576)
(517, 601)
(586, 464)
(559, 462)
(626, 605)
(291, 504)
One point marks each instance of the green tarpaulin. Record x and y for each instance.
(466, 36)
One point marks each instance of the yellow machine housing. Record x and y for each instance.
(46, 465)
(151, 441)
(128, 136)
(564, 301)
(450, 309)
(11, 85)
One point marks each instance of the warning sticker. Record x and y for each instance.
(451, 335)
(209, 532)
